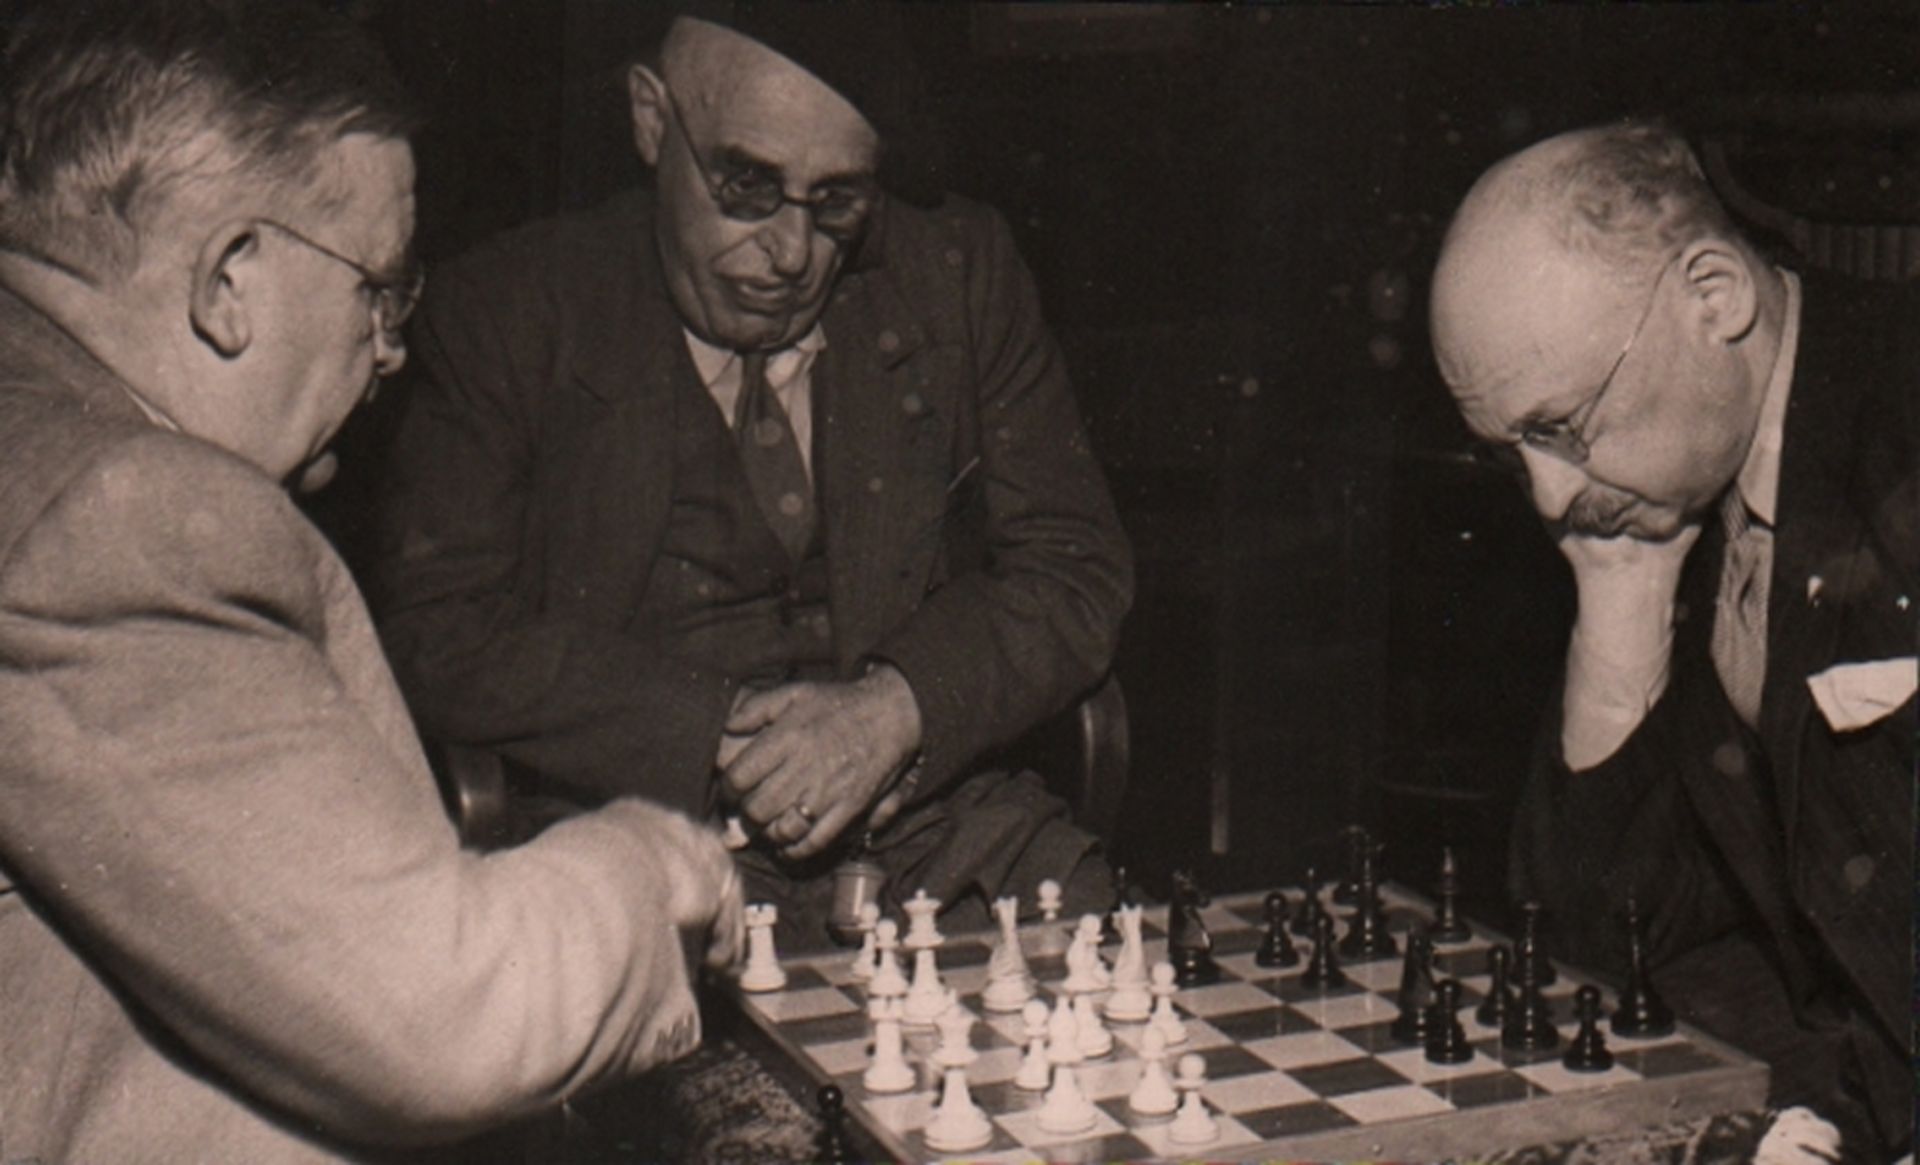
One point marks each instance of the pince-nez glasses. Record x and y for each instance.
(394, 295)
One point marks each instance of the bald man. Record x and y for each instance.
(762, 493)
(1724, 452)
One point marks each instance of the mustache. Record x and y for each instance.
(1592, 516)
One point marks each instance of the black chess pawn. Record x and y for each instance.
(1323, 969)
(1447, 927)
(1367, 934)
(1588, 1051)
(1359, 842)
(1642, 1013)
(1416, 991)
(830, 1146)
(1529, 954)
(1110, 929)
(1189, 946)
(1310, 907)
(1446, 1037)
(1499, 1003)
(1529, 1026)
(1276, 949)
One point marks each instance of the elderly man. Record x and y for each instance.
(1734, 746)
(762, 493)
(235, 923)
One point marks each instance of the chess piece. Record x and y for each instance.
(1193, 1124)
(889, 1070)
(1189, 946)
(923, 933)
(1347, 893)
(1009, 981)
(830, 1146)
(955, 1026)
(1048, 898)
(862, 966)
(888, 981)
(1588, 1051)
(1323, 971)
(1447, 926)
(1036, 1070)
(1276, 949)
(1154, 1095)
(1446, 1038)
(1529, 1026)
(1092, 1035)
(1499, 1003)
(1085, 970)
(958, 1124)
(927, 997)
(1529, 953)
(857, 883)
(763, 971)
(1066, 1110)
(1416, 991)
(1165, 1019)
(1367, 934)
(1642, 1014)
(1131, 1000)
(1110, 931)
(1063, 1033)
(1310, 905)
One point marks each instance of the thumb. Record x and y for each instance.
(886, 809)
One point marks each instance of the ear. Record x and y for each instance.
(647, 108)
(225, 269)
(1720, 289)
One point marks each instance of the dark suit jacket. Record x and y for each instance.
(970, 536)
(235, 923)
(1799, 835)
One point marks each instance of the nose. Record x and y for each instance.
(1553, 482)
(389, 351)
(787, 239)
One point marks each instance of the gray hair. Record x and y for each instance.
(112, 110)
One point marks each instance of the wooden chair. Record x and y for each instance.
(1084, 755)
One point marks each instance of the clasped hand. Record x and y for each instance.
(804, 761)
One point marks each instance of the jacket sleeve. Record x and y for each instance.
(997, 649)
(212, 793)
(482, 657)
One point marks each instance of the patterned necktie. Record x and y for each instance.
(1740, 615)
(771, 456)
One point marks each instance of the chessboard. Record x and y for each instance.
(1291, 1073)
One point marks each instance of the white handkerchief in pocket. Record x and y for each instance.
(1854, 695)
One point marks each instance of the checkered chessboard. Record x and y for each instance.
(1292, 1073)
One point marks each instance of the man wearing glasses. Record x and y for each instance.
(235, 921)
(763, 493)
(1733, 752)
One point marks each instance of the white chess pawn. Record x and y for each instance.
(1063, 1033)
(1193, 1124)
(1164, 1018)
(1066, 1108)
(1036, 1071)
(1092, 1036)
(862, 966)
(927, 998)
(922, 932)
(958, 1124)
(888, 980)
(1049, 900)
(763, 971)
(889, 1070)
(1154, 1095)
(956, 1027)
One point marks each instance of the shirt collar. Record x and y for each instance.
(715, 363)
(1759, 478)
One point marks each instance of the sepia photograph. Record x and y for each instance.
(786, 581)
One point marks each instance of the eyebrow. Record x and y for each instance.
(735, 157)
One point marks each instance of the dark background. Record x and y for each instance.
(1232, 214)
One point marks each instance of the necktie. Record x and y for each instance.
(771, 457)
(1740, 615)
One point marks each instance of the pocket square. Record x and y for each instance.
(1854, 695)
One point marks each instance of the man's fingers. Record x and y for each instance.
(886, 810)
(731, 746)
(750, 778)
(756, 709)
(821, 835)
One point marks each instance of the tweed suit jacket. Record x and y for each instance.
(235, 922)
(1798, 832)
(970, 537)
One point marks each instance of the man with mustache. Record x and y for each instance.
(1724, 452)
(762, 493)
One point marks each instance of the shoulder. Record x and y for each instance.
(952, 232)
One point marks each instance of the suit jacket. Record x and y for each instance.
(1797, 833)
(235, 923)
(970, 537)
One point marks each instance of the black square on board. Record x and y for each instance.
(1244, 1026)
(1291, 1120)
(1346, 1076)
(1484, 1089)
(1667, 1059)
(826, 1029)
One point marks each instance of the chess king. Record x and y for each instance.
(1724, 451)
